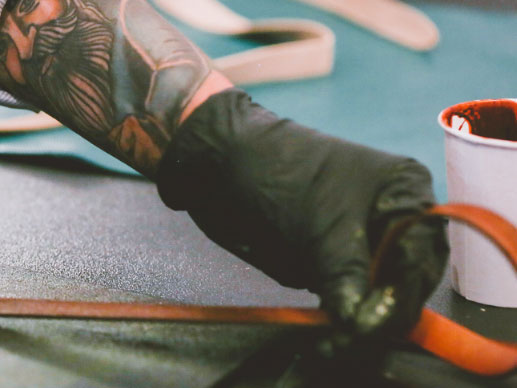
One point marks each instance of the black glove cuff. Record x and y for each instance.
(221, 169)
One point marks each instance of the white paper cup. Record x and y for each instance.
(481, 153)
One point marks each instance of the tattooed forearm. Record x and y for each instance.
(113, 70)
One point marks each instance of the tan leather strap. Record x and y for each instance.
(389, 19)
(433, 332)
(29, 122)
(310, 49)
(306, 48)
(445, 338)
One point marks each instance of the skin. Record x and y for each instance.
(138, 133)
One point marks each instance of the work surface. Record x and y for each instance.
(76, 233)
(70, 230)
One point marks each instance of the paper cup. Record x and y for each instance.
(481, 153)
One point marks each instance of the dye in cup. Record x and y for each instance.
(481, 155)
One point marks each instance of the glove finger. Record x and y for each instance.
(413, 266)
(406, 278)
(346, 272)
(344, 287)
(342, 301)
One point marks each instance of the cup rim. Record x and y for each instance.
(471, 138)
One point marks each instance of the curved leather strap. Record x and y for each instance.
(393, 20)
(445, 338)
(309, 45)
(463, 347)
(390, 19)
(435, 333)
(29, 122)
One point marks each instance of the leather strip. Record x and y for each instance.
(440, 335)
(435, 333)
(30, 122)
(310, 45)
(307, 44)
(463, 347)
(389, 19)
(39, 308)
(392, 20)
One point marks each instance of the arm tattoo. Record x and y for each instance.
(113, 70)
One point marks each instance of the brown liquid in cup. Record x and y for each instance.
(496, 119)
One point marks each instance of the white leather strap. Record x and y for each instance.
(308, 44)
(30, 122)
(309, 54)
(310, 49)
(390, 19)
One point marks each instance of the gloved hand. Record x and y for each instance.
(309, 210)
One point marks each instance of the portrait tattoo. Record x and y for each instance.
(68, 65)
(60, 56)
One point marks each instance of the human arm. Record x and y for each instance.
(306, 208)
(114, 71)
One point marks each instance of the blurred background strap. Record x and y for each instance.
(300, 48)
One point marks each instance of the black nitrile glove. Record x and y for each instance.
(308, 210)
